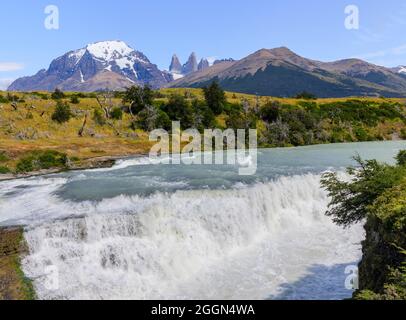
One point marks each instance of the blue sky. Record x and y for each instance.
(212, 28)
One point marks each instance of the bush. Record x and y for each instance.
(270, 112)
(117, 114)
(4, 170)
(401, 158)
(74, 99)
(25, 165)
(3, 99)
(38, 160)
(306, 96)
(3, 157)
(99, 118)
(62, 113)
(57, 94)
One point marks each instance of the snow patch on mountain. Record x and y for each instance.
(109, 50)
(402, 70)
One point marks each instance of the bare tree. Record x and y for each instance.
(82, 129)
(105, 101)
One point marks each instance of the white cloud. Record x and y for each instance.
(386, 53)
(10, 66)
(4, 83)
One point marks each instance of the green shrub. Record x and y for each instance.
(74, 99)
(57, 94)
(3, 157)
(99, 118)
(306, 96)
(4, 170)
(25, 165)
(62, 113)
(38, 160)
(117, 114)
(401, 158)
(3, 99)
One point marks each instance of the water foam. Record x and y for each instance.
(243, 243)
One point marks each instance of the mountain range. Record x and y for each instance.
(276, 72)
(281, 72)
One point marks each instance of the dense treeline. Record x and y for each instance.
(377, 195)
(278, 124)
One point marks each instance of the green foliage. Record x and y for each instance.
(151, 118)
(351, 200)
(62, 112)
(376, 193)
(74, 99)
(3, 99)
(58, 94)
(38, 160)
(3, 157)
(215, 98)
(138, 98)
(4, 170)
(306, 96)
(203, 117)
(401, 158)
(98, 117)
(270, 112)
(179, 108)
(116, 114)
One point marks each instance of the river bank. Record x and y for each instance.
(13, 283)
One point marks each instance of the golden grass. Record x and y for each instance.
(30, 127)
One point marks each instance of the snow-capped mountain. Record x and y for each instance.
(98, 66)
(401, 69)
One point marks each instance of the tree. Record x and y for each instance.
(270, 112)
(116, 114)
(179, 109)
(351, 200)
(105, 101)
(306, 96)
(215, 98)
(138, 98)
(62, 112)
(151, 118)
(58, 94)
(203, 117)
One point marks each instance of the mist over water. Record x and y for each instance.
(144, 231)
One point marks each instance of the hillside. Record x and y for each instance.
(89, 139)
(281, 72)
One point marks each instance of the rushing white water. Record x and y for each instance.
(242, 243)
(145, 231)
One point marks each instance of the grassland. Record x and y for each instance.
(26, 126)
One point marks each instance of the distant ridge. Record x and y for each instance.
(281, 72)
